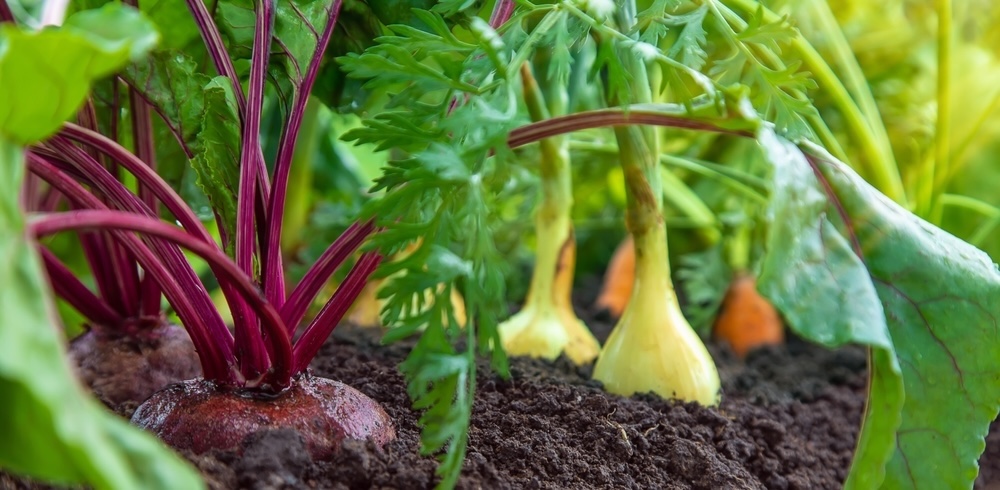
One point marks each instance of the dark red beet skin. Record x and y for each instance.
(130, 366)
(197, 415)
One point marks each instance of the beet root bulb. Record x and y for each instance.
(199, 416)
(129, 367)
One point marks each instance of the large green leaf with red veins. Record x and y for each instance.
(814, 276)
(845, 264)
(171, 83)
(299, 25)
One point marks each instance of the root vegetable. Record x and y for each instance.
(201, 416)
(747, 320)
(547, 326)
(652, 348)
(618, 279)
(122, 368)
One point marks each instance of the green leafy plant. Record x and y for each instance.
(711, 89)
(256, 372)
(724, 65)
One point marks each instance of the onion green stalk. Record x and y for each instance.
(652, 347)
(547, 326)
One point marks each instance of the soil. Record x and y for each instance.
(788, 420)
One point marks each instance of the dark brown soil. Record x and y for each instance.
(788, 419)
(551, 427)
(989, 462)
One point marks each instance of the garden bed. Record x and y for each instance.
(550, 427)
(789, 419)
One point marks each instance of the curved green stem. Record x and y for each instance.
(932, 179)
(851, 73)
(879, 161)
(685, 200)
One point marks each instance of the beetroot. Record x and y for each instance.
(125, 367)
(200, 416)
(253, 375)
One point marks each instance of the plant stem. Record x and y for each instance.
(295, 215)
(142, 136)
(53, 12)
(30, 193)
(748, 185)
(331, 314)
(110, 259)
(202, 321)
(5, 14)
(273, 280)
(150, 179)
(684, 199)
(652, 347)
(879, 161)
(942, 124)
(552, 279)
(68, 287)
(221, 266)
(250, 348)
(668, 115)
(166, 194)
(853, 76)
(546, 326)
(638, 149)
(113, 268)
(50, 201)
(298, 302)
(502, 11)
(217, 50)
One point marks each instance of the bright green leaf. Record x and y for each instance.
(813, 276)
(169, 80)
(298, 25)
(940, 298)
(115, 27)
(845, 264)
(46, 74)
(810, 270)
(689, 46)
(174, 21)
(51, 429)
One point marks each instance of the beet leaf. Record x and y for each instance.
(171, 83)
(925, 300)
(216, 160)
